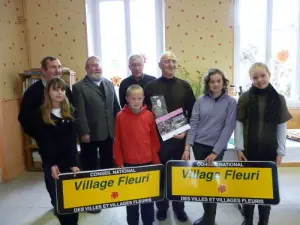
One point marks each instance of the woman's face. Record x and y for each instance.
(57, 94)
(215, 83)
(260, 77)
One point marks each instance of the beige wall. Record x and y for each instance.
(13, 59)
(200, 32)
(57, 28)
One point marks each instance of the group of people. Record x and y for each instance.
(124, 134)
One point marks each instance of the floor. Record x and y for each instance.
(28, 202)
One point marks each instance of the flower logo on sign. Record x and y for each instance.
(222, 188)
(114, 195)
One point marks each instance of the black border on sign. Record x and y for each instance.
(86, 174)
(181, 163)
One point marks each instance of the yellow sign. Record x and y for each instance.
(100, 189)
(223, 182)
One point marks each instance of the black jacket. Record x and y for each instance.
(129, 81)
(57, 144)
(33, 98)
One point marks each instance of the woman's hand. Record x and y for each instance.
(55, 172)
(186, 155)
(212, 156)
(241, 156)
(278, 160)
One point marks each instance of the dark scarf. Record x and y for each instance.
(268, 140)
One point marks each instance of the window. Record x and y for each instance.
(267, 31)
(118, 28)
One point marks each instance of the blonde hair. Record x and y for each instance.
(134, 87)
(55, 83)
(258, 65)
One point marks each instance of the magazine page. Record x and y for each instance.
(172, 124)
(159, 107)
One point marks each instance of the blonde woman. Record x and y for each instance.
(54, 131)
(261, 128)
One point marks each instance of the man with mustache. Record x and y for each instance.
(96, 107)
(177, 94)
(33, 97)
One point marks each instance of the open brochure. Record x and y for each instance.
(172, 124)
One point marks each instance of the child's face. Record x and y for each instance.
(260, 78)
(216, 83)
(57, 94)
(135, 99)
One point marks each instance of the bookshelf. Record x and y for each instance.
(31, 156)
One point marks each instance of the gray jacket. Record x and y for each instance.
(94, 114)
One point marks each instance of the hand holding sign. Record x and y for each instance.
(75, 170)
(241, 156)
(55, 172)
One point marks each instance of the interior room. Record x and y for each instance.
(229, 35)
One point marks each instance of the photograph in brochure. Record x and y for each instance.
(172, 124)
(159, 107)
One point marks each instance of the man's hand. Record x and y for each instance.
(180, 136)
(85, 138)
(75, 170)
(55, 172)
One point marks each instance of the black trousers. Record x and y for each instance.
(171, 149)
(210, 209)
(147, 209)
(89, 155)
(70, 219)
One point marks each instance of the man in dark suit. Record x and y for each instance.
(96, 107)
(136, 66)
(34, 96)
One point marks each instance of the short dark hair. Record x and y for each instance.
(206, 79)
(44, 61)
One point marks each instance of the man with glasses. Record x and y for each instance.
(136, 66)
(177, 93)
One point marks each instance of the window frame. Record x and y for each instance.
(295, 90)
(93, 22)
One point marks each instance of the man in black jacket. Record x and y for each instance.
(34, 96)
(136, 66)
(177, 94)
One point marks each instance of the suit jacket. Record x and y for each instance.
(94, 113)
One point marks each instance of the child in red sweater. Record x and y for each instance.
(136, 144)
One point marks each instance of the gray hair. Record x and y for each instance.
(91, 58)
(135, 57)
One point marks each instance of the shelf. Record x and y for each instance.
(26, 80)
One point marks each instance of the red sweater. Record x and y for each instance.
(136, 139)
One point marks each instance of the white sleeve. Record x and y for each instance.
(281, 138)
(239, 136)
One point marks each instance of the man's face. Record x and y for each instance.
(53, 69)
(136, 67)
(93, 68)
(168, 65)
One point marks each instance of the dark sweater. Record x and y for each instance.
(177, 93)
(129, 81)
(33, 98)
(57, 144)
